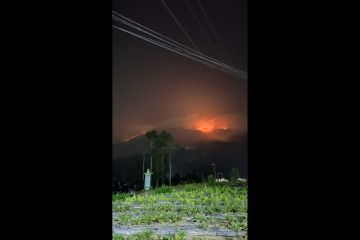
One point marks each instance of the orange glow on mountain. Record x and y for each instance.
(214, 126)
(134, 136)
(129, 138)
(207, 125)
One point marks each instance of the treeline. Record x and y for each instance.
(161, 148)
(172, 165)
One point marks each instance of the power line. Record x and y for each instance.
(138, 24)
(179, 24)
(181, 53)
(176, 51)
(175, 46)
(202, 58)
(160, 36)
(193, 52)
(201, 26)
(162, 45)
(213, 29)
(193, 56)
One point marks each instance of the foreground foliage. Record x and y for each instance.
(148, 235)
(216, 205)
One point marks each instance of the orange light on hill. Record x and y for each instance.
(205, 128)
(129, 138)
(209, 124)
(205, 125)
(134, 136)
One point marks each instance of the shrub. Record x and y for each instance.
(163, 189)
(190, 188)
(118, 237)
(119, 196)
(211, 180)
(180, 235)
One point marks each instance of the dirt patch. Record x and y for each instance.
(191, 230)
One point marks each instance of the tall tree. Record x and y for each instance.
(165, 145)
(171, 148)
(161, 150)
(157, 164)
(151, 137)
(161, 144)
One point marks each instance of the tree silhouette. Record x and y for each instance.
(151, 137)
(234, 174)
(171, 147)
(164, 146)
(161, 144)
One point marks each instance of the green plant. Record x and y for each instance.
(145, 235)
(211, 180)
(192, 200)
(163, 189)
(117, 236)
(204, 225)
(119, 196)
(180, 235)
(191, 188)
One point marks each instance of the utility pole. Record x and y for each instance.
(143, 166)
(162, 170)
(151, 168)
(170, 168)
(213, 164)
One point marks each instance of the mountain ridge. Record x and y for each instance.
(184, 138)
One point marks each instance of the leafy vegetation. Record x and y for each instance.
(149, 235)
(116, 236)
(119, 196)
(218, 205)
(211, 180)
(163, 189)
(190, 187)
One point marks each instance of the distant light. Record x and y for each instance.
(222, 180)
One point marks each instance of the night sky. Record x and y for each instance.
(156, 88)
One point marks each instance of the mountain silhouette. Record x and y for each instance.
(227, 148)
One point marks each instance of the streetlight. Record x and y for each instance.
(213, 164)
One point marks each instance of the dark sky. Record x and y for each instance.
(153, 87)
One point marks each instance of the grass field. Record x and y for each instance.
(203, 206)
